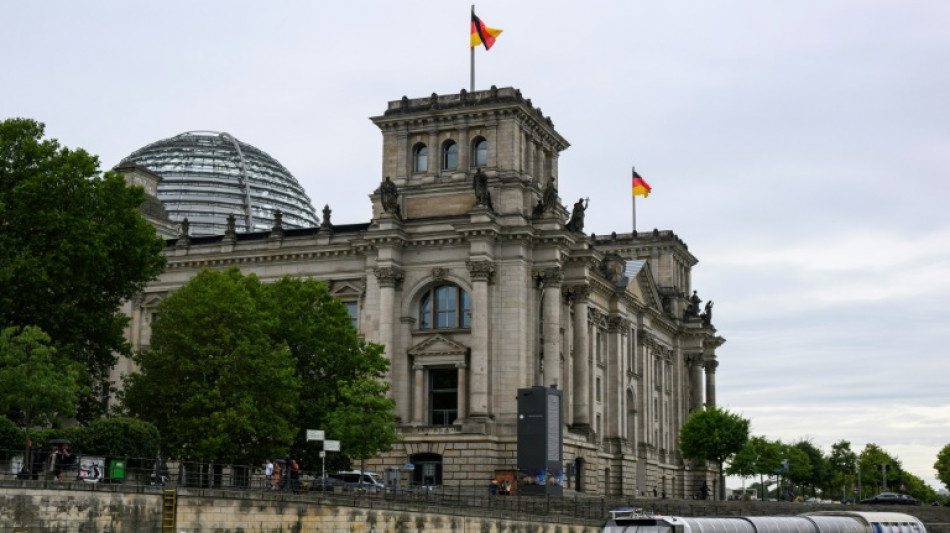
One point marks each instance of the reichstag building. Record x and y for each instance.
(476, 279)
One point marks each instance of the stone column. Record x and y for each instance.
(481, 273)
(462, 392)
(417, 394)
(581, 394)
(551, 325)
(696, 382)
(711, 365)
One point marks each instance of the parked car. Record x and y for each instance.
(325, 484)
(891, 498)
(352, 479)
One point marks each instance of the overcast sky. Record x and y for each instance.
(801, 149)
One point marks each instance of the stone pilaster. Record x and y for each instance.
(581, 394)
(481, 273)
(390, 278)
(551, 281)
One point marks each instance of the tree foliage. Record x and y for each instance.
(942, 466)
(843, 464)
(118, 437)
(364, 421)
(819, 474)
(714, 434)
(35, 383)
(215, 382)
(759, 456)
(12, 437)
(331, 359)
(73, 247)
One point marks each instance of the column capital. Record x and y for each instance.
(711, 366)
(389, 276)
(579, 293)
(552, 277)
(616, 324)
(481, 270)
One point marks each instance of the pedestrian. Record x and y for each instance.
(285, 478)
(294, 476)
(268, 473)
(493, 487)
(54, 462)
(39, 457)
(278, 472)
(66, 460)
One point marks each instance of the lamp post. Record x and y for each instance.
(884, 477)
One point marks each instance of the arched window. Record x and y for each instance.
(480, 152)
(420, 158)
(445, 307)
(450, 155)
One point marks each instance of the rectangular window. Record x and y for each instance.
(443, 396)
(598, 389)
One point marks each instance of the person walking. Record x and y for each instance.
(268, 473)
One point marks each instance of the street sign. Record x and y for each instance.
(314, 434)
(409, 466)
(331, 445)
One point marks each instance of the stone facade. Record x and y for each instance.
(478, 282)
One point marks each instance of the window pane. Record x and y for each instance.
(466, 310)
(481, 153)
(451, 156)
(351, 308)
(445, 307)
(425, 312)
(443, 396)
(421, 162)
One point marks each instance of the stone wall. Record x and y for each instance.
(50, 507)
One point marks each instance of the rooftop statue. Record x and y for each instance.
(390, 197)
(576, 223)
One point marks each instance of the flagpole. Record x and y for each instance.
(633, 198)
(471, 86)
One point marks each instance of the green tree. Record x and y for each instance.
(328, 352)
(799, 467)
(364, 423)
(820, 473)
(215, 383)
(714, 434)
(876, 466)
(843, 463)
(34, 383)
(942, 466)
(759, 456)
(73, 247)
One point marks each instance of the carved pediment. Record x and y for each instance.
(349, 287)
(439, 351)
(438, 345)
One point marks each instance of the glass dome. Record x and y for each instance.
(207, 176)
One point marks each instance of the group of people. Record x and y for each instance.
(502, 489)
(282, 474)
(58, 462)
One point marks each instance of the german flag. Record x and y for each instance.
(640, 187)
(482, 34)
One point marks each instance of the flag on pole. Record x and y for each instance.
(482, 34)
(640, 187)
